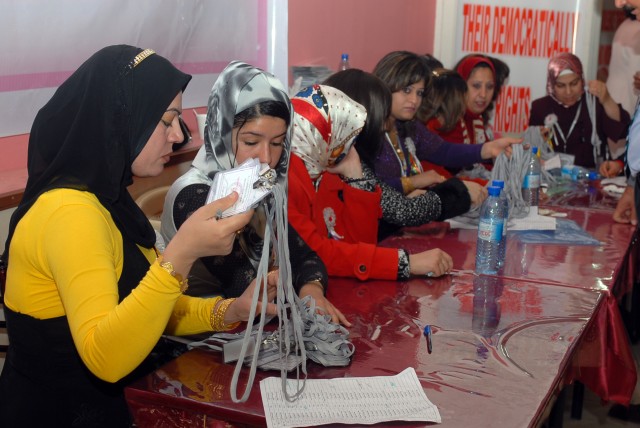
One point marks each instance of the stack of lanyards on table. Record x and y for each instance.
(512, 169)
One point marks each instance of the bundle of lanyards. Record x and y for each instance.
(302, 331)
(512, 170)
(290, 323)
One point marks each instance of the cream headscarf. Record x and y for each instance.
(326, 123)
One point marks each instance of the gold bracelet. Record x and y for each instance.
(216, 318)
(168, 266)
(407, 186)
(316, 282)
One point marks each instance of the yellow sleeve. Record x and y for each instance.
(191, 315)
(81, 251)
(66, 259)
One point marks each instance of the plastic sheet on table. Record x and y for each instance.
(567, 233)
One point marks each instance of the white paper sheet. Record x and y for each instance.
(361, 400)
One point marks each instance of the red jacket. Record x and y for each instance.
(355, 213)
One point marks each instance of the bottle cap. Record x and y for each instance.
(498, 183)
(534, 150)
(345, 56)
(493, 191)
(593, 175)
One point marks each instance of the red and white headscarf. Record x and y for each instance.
(325, 125)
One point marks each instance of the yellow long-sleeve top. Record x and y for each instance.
(66, 259)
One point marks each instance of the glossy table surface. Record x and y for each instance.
(583, 266)
(500, 348)
(579, 195)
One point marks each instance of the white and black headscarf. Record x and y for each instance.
(239, 87)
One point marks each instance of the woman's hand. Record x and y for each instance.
(492, 149)
(323, 305)
(610, 169)
(626, 209)
(477, 192)
(426, 179)
(203, 235)
(349, 166)
(433, 263)
(239, 310)
(599, 90)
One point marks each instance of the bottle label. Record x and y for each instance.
(490, 231)
(531, 181)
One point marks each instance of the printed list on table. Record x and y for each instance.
(356, 400)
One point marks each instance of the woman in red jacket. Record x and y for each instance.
(334, 200)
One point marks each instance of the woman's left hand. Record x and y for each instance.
(492, 149)
(323, 305)
(599, 90)
(239, 310)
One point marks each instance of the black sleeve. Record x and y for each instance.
(188, 200)
(306, 265)
(454, 197)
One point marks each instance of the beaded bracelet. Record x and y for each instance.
(404, 269)
(216, 318)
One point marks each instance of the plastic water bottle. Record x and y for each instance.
(505, 206)
(344, 62)
(490, 233)
(579, 173)
(531, 182)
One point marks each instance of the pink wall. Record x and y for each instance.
(320, 30)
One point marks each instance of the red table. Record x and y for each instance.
(501, 348)
(604, 362)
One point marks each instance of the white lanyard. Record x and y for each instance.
(573, 125)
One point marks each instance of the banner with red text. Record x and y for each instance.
(525, 35)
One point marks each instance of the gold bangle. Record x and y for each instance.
(216, 318)
(316, 282)
(168, 266)
(407, 186)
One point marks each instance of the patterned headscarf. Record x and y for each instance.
(560, 63)
(326, 123)
(264, 239)
(238, 87)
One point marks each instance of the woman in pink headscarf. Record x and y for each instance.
(567, 112)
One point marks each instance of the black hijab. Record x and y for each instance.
(97, 122)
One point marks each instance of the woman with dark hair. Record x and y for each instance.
(442, 200)
(408, 141)
(445, 100)
(335, 200)
(87, 294)
(248, 116)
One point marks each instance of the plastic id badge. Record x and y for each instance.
(251, 180)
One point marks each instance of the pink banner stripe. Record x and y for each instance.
(53, 79)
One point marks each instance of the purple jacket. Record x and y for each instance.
(429, 147)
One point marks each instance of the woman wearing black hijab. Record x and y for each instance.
(87, 296)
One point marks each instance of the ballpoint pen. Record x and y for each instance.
(427, 334)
